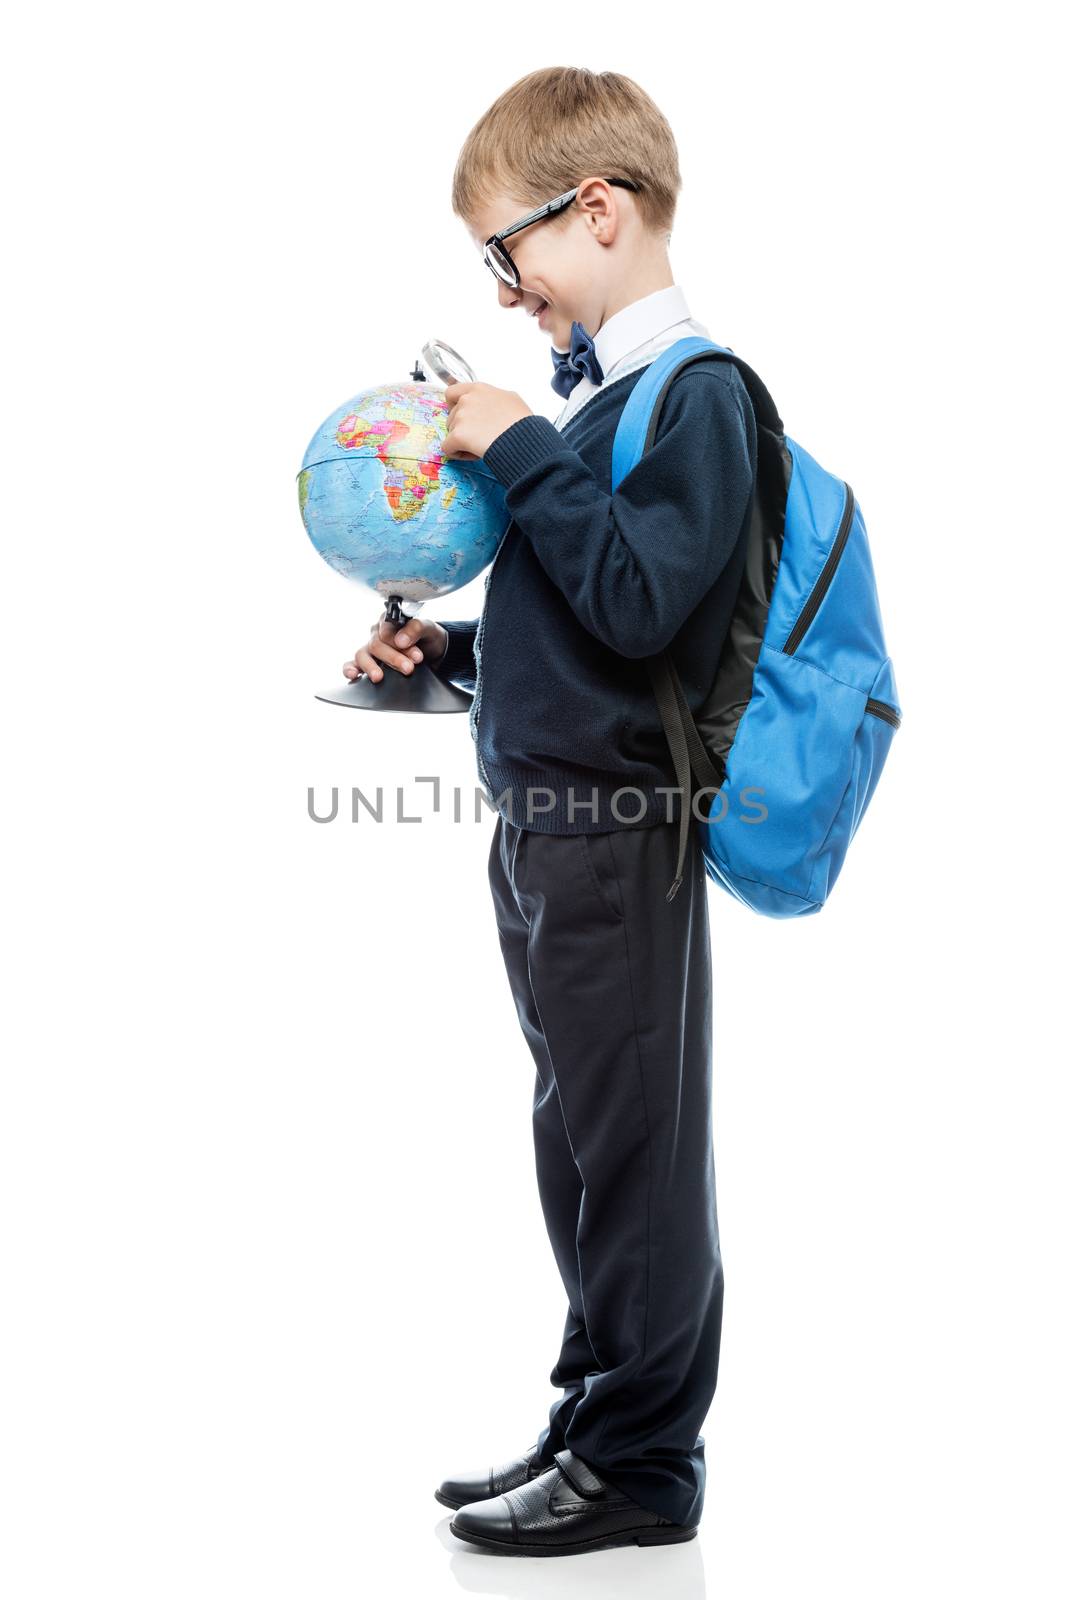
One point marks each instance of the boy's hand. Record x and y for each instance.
(394, 644)
(478, 414)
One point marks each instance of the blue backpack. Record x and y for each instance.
(793, 736)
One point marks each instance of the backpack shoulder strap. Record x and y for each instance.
(635, 433)
(636, 429)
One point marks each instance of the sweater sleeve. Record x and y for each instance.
(634, 564)
(458, 662)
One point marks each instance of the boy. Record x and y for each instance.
(611, 979)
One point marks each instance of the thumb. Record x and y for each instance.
(411, 628)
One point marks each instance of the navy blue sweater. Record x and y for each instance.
(585, 583)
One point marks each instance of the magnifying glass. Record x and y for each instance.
(446, 365)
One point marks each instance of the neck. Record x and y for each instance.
(656, 276)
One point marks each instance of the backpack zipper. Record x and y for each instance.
(880, 708)
(819, 589)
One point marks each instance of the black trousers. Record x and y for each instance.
(613, 987)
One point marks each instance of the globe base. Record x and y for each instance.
(422, 690)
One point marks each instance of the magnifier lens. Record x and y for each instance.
(445, 364)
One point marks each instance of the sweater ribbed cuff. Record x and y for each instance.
(523, 445)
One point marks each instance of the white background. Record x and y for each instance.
(273, 1259)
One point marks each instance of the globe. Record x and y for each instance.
(385, 507)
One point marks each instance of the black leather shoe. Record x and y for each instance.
(564, 1511)
(485, 1485)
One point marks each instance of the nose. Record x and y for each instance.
(507, 295)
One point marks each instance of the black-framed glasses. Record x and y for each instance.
(496, 256)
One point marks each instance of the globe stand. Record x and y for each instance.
(419, 690)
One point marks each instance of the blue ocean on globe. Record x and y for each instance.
(385, 507)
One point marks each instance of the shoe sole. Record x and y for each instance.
(604, 1542)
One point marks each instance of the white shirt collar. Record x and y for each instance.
(632, 337)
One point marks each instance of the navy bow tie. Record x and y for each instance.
(580, 359)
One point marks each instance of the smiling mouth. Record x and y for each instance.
(537, 311)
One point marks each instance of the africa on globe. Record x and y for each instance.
(385, 507)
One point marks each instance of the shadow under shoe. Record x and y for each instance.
(565, 1510)
(471, 1486)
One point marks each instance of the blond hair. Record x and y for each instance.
(559, 125)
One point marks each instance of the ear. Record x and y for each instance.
(599, 208)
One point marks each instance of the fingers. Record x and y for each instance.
(451, 450)
(368, 659)
(382, 649)
(450, 447)
(407, 633)
(402, 636)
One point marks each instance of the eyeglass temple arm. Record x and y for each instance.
(556, 205)
(535, 216)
